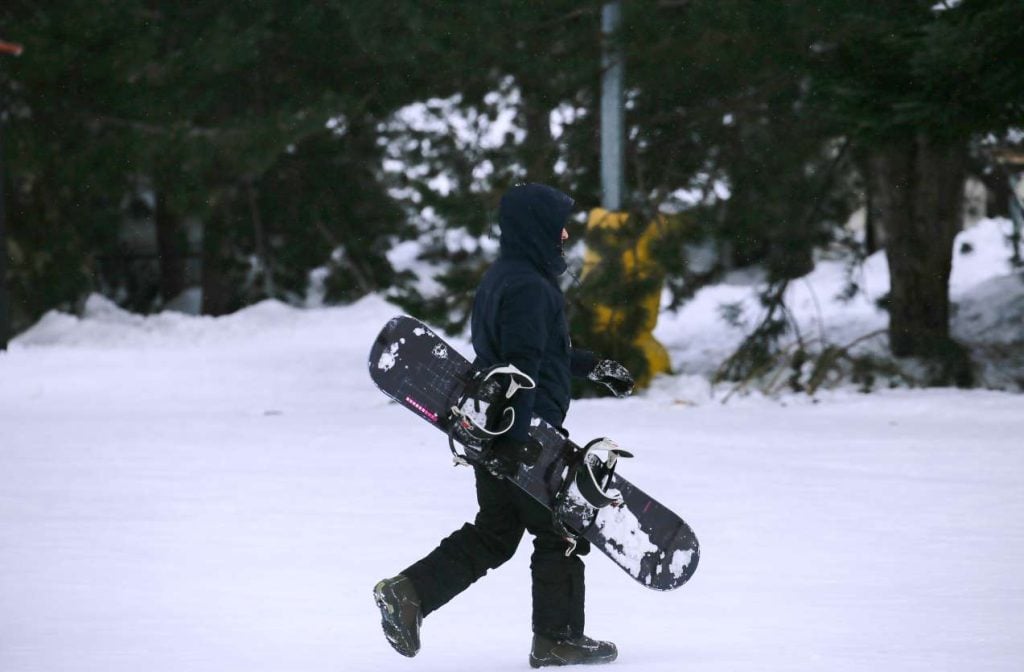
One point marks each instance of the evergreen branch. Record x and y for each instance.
(99, 121)
(826, 362)
(346, 259)
(569, 16)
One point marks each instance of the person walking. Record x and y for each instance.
(518, 318)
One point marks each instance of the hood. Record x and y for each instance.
(531, 217)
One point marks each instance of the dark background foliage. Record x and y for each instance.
(254, 144)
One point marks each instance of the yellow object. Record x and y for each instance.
(638, 264)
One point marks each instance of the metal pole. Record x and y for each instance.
(612, 123)
(5, 307)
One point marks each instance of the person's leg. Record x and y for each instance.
(469, 552)
(558, 589)
(558, 597)
(558, 581)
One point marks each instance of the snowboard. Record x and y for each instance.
(415, 367)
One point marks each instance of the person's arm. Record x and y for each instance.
(581, 362)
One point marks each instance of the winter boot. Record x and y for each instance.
(579, 651)
(400, 614)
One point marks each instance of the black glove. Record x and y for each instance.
(504, 456)
(614, 376)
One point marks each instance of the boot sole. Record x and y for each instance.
(558, 662)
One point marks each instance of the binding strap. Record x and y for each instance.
(591, 478)
(486, 388)
(483, 410)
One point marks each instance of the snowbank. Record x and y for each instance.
(987, 296)
(104, 325)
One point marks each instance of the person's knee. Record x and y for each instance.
(500, 546)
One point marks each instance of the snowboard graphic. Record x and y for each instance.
(418, 369)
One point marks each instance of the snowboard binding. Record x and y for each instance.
(484, 409)
(586, 489)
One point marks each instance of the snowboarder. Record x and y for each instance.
(518, 318)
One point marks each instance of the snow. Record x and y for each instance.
(195, 493)
(987, 296)
(621, 527)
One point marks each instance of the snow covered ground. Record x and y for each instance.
(181, 493)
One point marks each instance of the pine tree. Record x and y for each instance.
(913, 82)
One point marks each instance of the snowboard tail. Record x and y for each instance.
(415, 367)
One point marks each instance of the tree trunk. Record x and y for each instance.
(5, 304)
(260, 239)
(171, 249)
(217, 294)
(874, 239)
(917, 186)
(538, 147)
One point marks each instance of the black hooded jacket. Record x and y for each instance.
(519, 310)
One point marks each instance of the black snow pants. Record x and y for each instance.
(491, 540)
